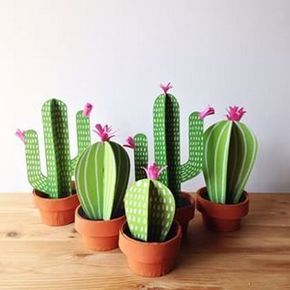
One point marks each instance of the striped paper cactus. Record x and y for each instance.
(150, 208)
(230, 150)
(60, 166)
(102, 174)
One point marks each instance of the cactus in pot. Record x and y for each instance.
(150, 239)
(230, 150)
(102, 174)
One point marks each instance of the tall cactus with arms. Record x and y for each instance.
(166, 129)
(230, 150)
(102, 174)
(60, 167)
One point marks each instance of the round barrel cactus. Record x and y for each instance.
(102, 174)
(230, 150)
(150, 208)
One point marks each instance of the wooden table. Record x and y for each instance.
(36, 256)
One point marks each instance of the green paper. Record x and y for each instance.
(59, 166)
(102, 174)
(230, 150)
(166, 129)
(150, 209)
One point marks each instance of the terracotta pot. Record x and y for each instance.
(221, 217)
(55, 211)
(150, 259)
(98, 235)
(186, 213)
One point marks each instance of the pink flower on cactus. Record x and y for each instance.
(235, 113)
(20, 134)
(153, 171)
(87, 109)
(105, 132)
(206, 112)
(166, 88)
(130, 143)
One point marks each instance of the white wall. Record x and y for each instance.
(115, 53)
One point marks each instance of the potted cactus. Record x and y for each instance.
(150, 239)
(230, 150)
(54, 194)
(101, 174)
(167, 151)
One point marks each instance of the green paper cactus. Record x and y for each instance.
(166, 129)
(230, 151)
(60, 167)
(102, 174)
(150, 208)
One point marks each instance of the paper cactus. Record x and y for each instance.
(60, 167)
(167, 143)
(230, 150)
(150, 208)
(102, 174)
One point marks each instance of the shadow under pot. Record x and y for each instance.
(221, 217)
(98, 235)
(55, 211)
(185, 213)
(150, 259)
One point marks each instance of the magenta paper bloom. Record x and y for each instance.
(105, 132)
(87, 109)
(153, 171)
(130, 143)
(20, 134)
(166, 88)
(235, 113)
(206, 112)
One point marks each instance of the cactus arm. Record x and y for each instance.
(83, 137)
(216, 152)
(162, 210)
(56, 139)
(35, 177)
(194, 164)
(89, 175)
(140, 155)
(123, 171)
(242, 156)
(137, 208)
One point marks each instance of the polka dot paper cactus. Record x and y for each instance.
(166, 129)
(60, 167)
(230, 150)
(102, 174)
(150, 209)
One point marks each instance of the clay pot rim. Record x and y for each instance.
(200, 193)
(189, 197)
(177, 235)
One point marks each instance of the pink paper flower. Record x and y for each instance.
(153, 171)
(206, 112)
(130, 143)
(166, 88)
(87, 109)
(235, 113)
(105, 132)
(20, 134)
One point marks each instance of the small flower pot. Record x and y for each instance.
(185, 213)
(221, 217)
(150, 259)
(55, 211)
(98, 235)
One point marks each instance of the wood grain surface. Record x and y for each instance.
(36, 256)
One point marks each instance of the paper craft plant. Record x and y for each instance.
(167, 143)
(102, 174)
(150, 207)
(60, 167)
(230, 150)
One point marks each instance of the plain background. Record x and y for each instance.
(114, 54)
